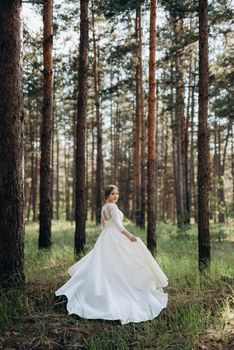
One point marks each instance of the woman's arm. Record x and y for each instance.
(130, 236)
(118, 224)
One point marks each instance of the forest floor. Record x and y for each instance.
(199, 314)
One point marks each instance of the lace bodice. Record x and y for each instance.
(111, 215)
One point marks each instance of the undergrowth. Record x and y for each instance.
(31, 317)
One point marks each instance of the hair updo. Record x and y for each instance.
(109, 189)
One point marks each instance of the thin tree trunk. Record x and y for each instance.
(165, 179)
(74, 163)
(232, 167)
(80, 212)
(215, 172)
(221, 194)
(151, 159)
(52, 145)
(157, 177)
(11, 145)
(35, 194)
(203, 142)
(57, 167)
(188, 121)
(116, 145)
(66, 178)
(93, 171)
(177, 160)
(137, 134)
(192, 163)
(179, 125)
(44, 240)
(143, 131)
(99, 160)
(32, 190)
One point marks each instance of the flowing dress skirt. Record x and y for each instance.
(117, 280)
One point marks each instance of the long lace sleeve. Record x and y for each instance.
(116, 218)
(110, 212)
(102, 223)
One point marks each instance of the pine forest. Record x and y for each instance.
(133, 93)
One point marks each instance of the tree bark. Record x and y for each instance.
(93, 171)
(221, 193)
(180, 131)
(99, 160)
(137, 133)
(66, 179)
(44, 240)
(74, 127)
(143, 131)
(11, 145)
(151, 158)
(165, 189)
(80, 211)
(57, 197)
(193, 194)
(203, 142)
(36, 171)
(232, 167)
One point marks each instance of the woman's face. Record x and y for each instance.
(113, 196)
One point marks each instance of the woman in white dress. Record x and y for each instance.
(118, 279)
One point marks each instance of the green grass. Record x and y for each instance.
(198, 313)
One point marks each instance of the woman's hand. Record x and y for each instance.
(129, 235)
(132, 238)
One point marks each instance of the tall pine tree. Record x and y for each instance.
(11, 145)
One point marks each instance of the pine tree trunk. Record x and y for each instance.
(32, 190)
(35, 170)
(80, 212)
(220, 192)
(74, 126)
(99, 160)
(87, 169)
(180, 129)
(215, 172)
(44, 240)
(137, 134)
(57, 167)
(53, 144)
(203, 142)
(165, 189)
(151, 159)
(93, 171)
(187, 123)
(192, 147)
(232, 167)
(11, 145)
(116, 145)
(223, 206)
(157, 163)
(177, 159)
(143, 131)
(66, 179)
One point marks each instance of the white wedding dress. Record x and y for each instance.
(118, 279)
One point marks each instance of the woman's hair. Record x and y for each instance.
(109, 189)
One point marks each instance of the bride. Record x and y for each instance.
(118, 279)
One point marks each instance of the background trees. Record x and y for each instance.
(110, 145)
(116, 131)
